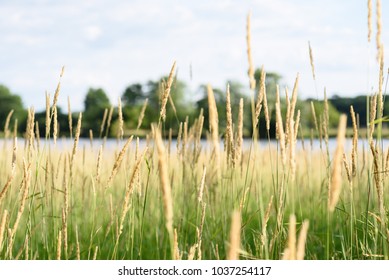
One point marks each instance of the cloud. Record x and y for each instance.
(111, 44)
(92, 32)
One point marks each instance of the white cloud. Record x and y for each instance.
(92, 32)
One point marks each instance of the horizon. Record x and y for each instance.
(110, 46)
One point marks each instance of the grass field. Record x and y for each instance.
(196, 200)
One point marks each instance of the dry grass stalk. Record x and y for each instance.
(37, 136)
(378, 180)
(118, 161)
(15, 128)
(172, 103)
(184, 139)
(326, 118)
(373, 112)
(280, 132)
(26, 247)
(239, 138)
(294, 99)
(138, 181)
(179, 136)
(109, 121)
(48, 118)
(95, 253)
(243, 199)
(6, 124)
(103, 122)
(142, 113)
(296, 125)
(199, 131)
(311, 61)
(199, 253)
(75, 145)
(369, 19)
(121, 122)
(55, 99)
(347, 167)
(65, 188)
(55, 125)
(302, 240)
(91, 138)
(164, 180)
(24, 190)
(292, 150)
(2, 227)
(54, 108)
(380, 101)
(170, 141)
(379, 29)
(292, 237)
(234, 248)
(30, 133)
(98, 166)
(166, 92)
(65, 210)
(59, 245)
(287, 115)
(200, 230)
(265, 105)
(47, 170)
(213, 124)
(354, 150)
(176, 254)
(202, 185)
(192, 252)
(251, 70)
(6, 187)
(129, 191)
(229, 132)
(70, 119)
(387, 163)
(65, 233)
(261, 94)
(264, 222)
(314, 116)
(336, 174)
(78, 251)
(14, 154)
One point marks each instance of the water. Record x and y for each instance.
(113, 144)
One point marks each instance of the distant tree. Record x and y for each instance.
(8, 102)
(271, 81)
(63, 123)
(333, 113)
(237, 92)
(133, 95)
(342, 104)
(96, 101)
(202, 103)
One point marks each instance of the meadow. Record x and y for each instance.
(196, 200)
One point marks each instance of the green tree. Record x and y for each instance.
(133, 95)
(333, 114)
(342, 104)
(63, 123)
(237, 92)
(8, 102)
(96, 101)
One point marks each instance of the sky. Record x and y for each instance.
(111, 44)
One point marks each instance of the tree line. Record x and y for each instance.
(179, 108)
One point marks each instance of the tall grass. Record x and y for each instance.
(197, 201)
